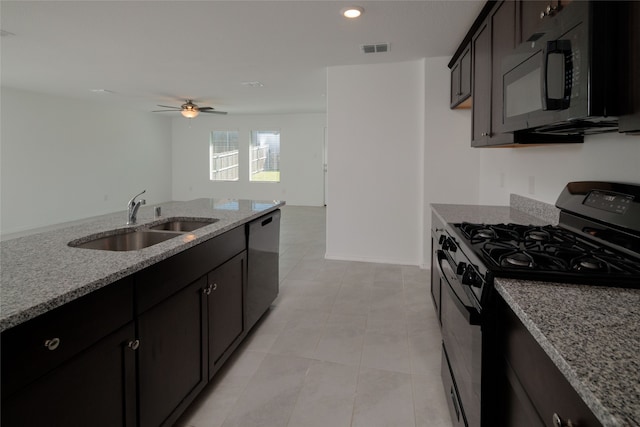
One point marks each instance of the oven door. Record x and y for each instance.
(462, 341)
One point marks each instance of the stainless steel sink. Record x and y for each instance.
(180, 224)
(132, 240)
(129, 241)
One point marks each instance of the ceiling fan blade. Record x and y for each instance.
(213, 111)
(163, 111)
(169, 106)
(205, 108)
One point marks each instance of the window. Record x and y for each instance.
(265, 156)
(223, 154)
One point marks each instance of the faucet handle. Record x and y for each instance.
(133, 199)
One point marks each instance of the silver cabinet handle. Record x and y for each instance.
(484, 134)
(215, 286)
(133, 345)
(52, 344)
(208, 289)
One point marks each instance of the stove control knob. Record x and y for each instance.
(442, 239)
(449, 245)
(461, 269)
(471, 278)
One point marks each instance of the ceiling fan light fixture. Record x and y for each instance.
(352, 12)
(190, 113)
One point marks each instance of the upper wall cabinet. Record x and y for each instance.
(492, 39)
(461, 80)
(631, 122)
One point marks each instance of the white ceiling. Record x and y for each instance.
(161, 52)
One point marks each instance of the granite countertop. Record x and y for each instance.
(591, 333)
(40, 272)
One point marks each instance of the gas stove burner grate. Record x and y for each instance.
(548, 253)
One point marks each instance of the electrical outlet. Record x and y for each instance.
(532, 185)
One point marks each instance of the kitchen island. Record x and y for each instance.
(130, 335)
(590, 333)
(41, 271)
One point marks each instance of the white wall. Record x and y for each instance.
(375, 150)
(63, 159)
(541, 173)
(301, 151)
(451, 166)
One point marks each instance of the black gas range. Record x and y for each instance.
(596, 242)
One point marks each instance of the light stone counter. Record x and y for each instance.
(40, 272)
(591, 333)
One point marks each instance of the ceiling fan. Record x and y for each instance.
(189, 109)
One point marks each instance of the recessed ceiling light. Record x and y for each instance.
(102, 91)
(352, 12)
(252, 84)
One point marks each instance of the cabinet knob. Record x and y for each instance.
(52, 344)
(549, 11)
(133, 345)
(484, 134)
(208, 289)
(557, 421)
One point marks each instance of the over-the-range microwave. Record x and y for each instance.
(571, 76)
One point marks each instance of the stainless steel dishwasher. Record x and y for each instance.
(263, 259)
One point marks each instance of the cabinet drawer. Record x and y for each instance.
(36, 347)
(161, 280)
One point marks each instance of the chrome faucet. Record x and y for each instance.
(133, 207)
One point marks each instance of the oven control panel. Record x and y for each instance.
(608, 201)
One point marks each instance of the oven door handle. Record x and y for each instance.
(470, 313)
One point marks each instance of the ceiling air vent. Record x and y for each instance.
(375, 48)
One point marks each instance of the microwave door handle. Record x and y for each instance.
(554, 47)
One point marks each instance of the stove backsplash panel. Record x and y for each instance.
(544, 211)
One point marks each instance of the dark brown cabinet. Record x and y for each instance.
(225, 292)
(631, 122)
(73, 366)
(138, 351)
(461, 80)
(189, 311)
(532, 390)
(481, 98)
(494, 40)
(172, 355)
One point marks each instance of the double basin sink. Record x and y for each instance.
(140, 238)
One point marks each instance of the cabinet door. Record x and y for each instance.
(465, 75)
(95, 388)
(225, 295)
(503, 41)
(543, 390)
(455, 84)
(481, 114)
(172, 355)
(461, 81)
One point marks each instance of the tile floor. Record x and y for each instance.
(346, 344)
